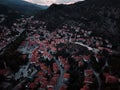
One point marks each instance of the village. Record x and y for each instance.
(68, 58)
(9, 35)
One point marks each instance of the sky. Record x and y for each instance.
(49, 2)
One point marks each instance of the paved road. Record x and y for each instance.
(18, 86)
(79, 43)
(95, 73)
(60, 80)
(88, 47)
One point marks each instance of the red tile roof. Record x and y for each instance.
(50, 88)
(56, 75)
(88, 80)
(32, 86)
(78, 58)
(55, 67)
(37, 80)
(43, 80)
(86, 57)
(41, 73)
(54, 79)
(85, 87)
(80, 63)
(66, 75)
(53, 49)
(110, 79)
(44, 84)
(63, 87)
(51, 83)
(3, 71)
(88, 72)
(66, 67)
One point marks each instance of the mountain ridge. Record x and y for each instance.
(10, 15)
(23, 6)
(97, 15)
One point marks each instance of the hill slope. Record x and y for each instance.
(101, 16)
(23, 6)
(8, 15)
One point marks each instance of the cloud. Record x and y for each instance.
(66, 1)
(49, 2)
(29, 1)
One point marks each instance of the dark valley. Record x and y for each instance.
(60, 47)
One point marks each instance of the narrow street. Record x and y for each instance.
(98, 79)
(95, 73)
(18, 86)
(89, 48)
(60, 80)
(79, 43)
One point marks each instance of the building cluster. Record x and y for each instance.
(59, 63)
(10, 34)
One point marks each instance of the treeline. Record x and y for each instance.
(12, 57)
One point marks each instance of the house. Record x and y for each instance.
(86, 58)
(55, 68)
(62, 60)
(37, 80)
(43, 67)
(66, 76)
(47, 55)
(56, 75)
(43, 80)
(53, 50)
(66, 67)
(32, 86)
(77, 58)
(54, 79)
(40, 74)
(51, 84)
(4, 72)
(85, 87)
(80, 63)
(50, 88)
(63, 87)
(110, 79)
(88, 80)
(88, 72)
(44, 84)
(49, 71)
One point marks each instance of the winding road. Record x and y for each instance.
(60, 80)
(95, 73)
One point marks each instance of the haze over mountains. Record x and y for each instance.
(23, 6)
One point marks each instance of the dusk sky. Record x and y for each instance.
(49, 2)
